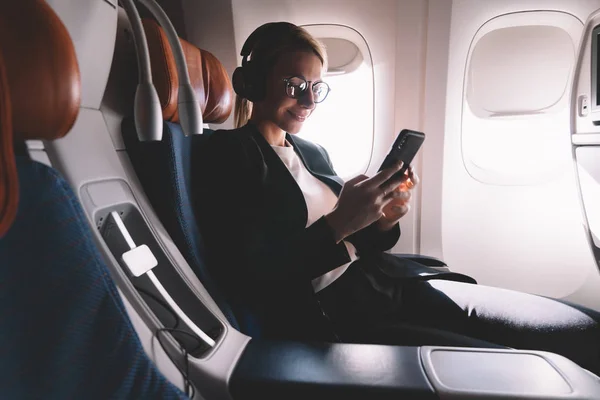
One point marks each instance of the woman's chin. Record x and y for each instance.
(292, 127)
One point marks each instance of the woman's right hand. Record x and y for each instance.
(362, 200)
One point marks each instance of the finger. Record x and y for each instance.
(356, 180)
(405, 195)
(397, 195)
(414, 177)
(406, 176)
(384, 175)
(401, 211)
(393, 214)
(392, 201)
(392, 184)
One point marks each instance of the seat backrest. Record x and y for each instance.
(164, 167)
(65, 332)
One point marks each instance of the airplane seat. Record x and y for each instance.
(164, 167)
(65, 331)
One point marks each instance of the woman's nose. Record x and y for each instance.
(307, 100)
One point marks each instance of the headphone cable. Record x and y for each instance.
(189, 389)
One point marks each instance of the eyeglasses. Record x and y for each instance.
(296, 87)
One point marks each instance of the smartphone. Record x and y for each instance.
(405, 148)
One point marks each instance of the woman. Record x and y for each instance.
(303, 251)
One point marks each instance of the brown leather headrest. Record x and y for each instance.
(40, 91)
(9, 184)
(208, 76)
(42, 70)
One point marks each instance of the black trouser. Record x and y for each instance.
(370, 308)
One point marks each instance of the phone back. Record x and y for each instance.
(405, 148)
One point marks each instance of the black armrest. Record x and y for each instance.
(314, 371)
(425, 260)
(294, 370)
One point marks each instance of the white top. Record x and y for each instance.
(320, 200)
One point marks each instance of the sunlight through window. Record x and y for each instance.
(343, 123)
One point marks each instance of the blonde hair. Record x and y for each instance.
(243, 110)
(265, 54)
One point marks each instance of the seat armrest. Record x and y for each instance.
(299, 370)
(303, 370)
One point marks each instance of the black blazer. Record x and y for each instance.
(252, 215)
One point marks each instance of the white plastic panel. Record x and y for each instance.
(506, 373)
(588, 164)
(433, 80)
(586, 131)
(36, 151)
(343, 56)
(533, 61)
(40, 156)
(511, 213)
(586, 139)
(92, 25)
(469, 373)
(584, 111)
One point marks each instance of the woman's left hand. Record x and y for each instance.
(399, 204)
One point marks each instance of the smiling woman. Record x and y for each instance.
(298, 231)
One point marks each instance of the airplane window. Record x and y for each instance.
(531, 61)
(516, 98)
(343, 123)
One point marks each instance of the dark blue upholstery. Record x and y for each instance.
(65, 333)
(164, 170)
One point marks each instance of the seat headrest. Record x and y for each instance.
(40, 90)
(208, 76)
(42, 70)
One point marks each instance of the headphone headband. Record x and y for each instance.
(260, 32)
(248, 80)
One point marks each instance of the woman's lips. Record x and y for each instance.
(298, 117)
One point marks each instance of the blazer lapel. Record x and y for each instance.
(307, 157)
(287, 188)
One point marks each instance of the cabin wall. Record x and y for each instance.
(511, 213)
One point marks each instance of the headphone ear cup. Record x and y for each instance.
(238, 81)
(255, 82)
(247, 83)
